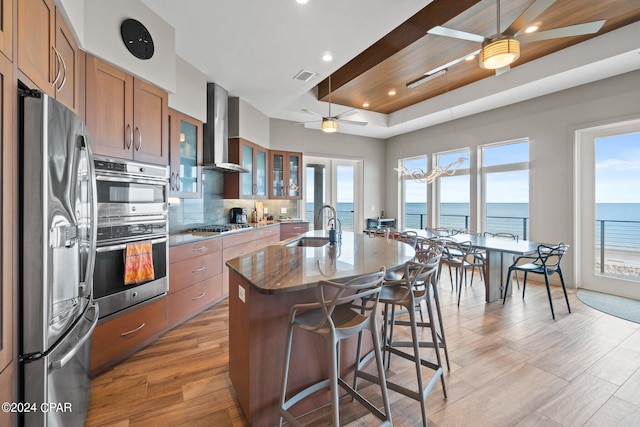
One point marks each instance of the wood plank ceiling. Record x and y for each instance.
(406, 53)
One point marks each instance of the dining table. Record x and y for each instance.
(498, 253)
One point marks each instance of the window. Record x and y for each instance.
(453, 191)
(414, 193)
(505, 177)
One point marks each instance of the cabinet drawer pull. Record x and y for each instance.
(124, 334)
(199, 296)
(58, 68)
(199, 269)
(64, 73)
(130, 136)
(199, 249)
(139, 139)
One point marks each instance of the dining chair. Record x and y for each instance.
(546, 263)
(343, 310)
(456, 256)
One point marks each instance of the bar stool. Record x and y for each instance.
(350, 310)
(423, 256)
(416, 286)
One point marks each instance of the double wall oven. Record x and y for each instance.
(132, 209)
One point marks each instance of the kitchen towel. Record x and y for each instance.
(138, 263)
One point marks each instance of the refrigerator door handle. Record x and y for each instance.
(59, 363)
(94, 209)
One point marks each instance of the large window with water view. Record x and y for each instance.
(453, 190)
(414, 192)
(617, 197)
(505, 177)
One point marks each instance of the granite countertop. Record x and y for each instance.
(278, 268)
(185, 237)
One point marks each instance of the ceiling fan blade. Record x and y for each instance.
(502, 70)
(527, 17)
(457, 34)
(346, 113)
(568, 31)
(353, 122)
(312, 112)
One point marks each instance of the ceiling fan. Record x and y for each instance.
(502, 49)
(329, 123)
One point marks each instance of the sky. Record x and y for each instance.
(618, 169)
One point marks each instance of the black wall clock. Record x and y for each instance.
(137, 38)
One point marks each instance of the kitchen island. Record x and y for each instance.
(263, 285)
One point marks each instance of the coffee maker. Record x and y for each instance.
(238, 215)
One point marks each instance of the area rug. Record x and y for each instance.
(624, 308)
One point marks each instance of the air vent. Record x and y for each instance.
(305, 76)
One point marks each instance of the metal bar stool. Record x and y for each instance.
(343, 310)
(423, 256)
(415, 286)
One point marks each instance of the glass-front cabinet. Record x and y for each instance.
(251, 185)
(185, 177)
(285, 178)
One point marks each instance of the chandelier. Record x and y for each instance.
(421, 176)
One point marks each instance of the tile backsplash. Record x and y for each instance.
(212, 208)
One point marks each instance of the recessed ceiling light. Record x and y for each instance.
(531, 28)
(365, 105)
(327, 56)
(302, 1)
(392, 92)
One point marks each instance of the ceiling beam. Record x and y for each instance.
(438, 12)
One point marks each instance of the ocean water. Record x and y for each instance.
(620, 221)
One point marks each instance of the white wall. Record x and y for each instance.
(191, 91)
(548, 122)
(290, 136)
(246, 121)
(102, 38)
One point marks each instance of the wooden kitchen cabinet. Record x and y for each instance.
(293, 229)
(185, 155)
(116, 339)
(285, 179)
(127, 117)
(195, 279)
(252, 185)
(47, 51)
(6, 28)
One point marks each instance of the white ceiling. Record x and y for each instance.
(253, 48)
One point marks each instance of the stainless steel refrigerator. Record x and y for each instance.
(58, 239)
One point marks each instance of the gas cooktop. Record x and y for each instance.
(217, 228)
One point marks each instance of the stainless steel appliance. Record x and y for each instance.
(131, 208)
(238, 215)
(58, 238)
(215, 229)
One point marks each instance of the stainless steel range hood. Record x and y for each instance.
(216, 132)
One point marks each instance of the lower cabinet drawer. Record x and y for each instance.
(194, 270)
(190, 301)
(118, 338)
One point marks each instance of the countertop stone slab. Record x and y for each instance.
(278, 268)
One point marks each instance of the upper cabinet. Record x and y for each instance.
(47, 51)
(6, 28)
(285, 175)
(252, 185)
(127, 118)
(185, 136)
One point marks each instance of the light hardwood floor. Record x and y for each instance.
(512, 365)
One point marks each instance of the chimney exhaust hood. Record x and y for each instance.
(215, 150)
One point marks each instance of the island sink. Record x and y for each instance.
(309, 241)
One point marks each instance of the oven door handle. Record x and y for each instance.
(102, 176)
(122, 246)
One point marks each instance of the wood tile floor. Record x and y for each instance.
(512, 365)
